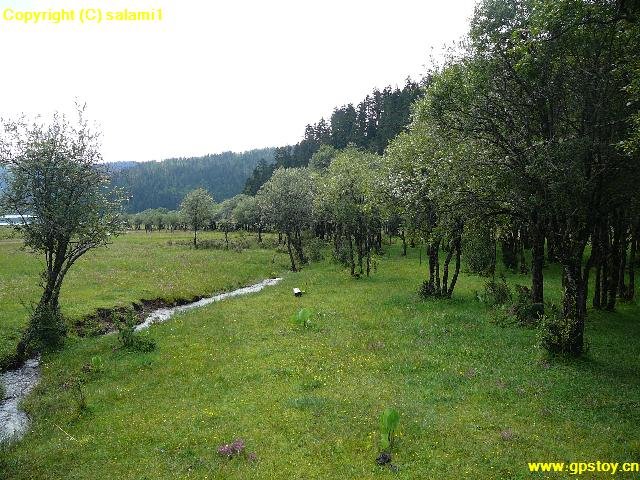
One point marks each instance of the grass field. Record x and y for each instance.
(136, 266)
(476, 400)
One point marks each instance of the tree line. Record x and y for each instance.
(370, 125)
(163, 184)
(526, 137)
(525, 141)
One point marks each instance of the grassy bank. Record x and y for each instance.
(135, 266)
(476, 400)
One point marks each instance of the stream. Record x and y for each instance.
(19, 382)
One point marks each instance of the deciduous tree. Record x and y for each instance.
(64, 197)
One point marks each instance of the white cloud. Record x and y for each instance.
(219, 75)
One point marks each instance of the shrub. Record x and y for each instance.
(496, 293)
(555, 331)
(74, 386)
(314, 249)
(46, 330)
(129, 339)
(526, 311)
(427, 289)
(79, 397)
(211, 244)
(240, 244)
(282, 248)
(480, 249)
(341, 255)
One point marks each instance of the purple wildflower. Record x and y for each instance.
(237, 445)
(225, 450)
(232, 449)
(252, 457)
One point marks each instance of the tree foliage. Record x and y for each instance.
(64, 197)
(370, 125)
(286, 200)
(540, 95)
(197, 207)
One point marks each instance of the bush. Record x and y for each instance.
(129, 339)
(480, 250)
(496, 293)
(555, 331)
(46, 330)
(526, 311)
(240, 244)
(282, 248)
(211, 244)
(341, 255)
(426, 290)
(314, 249)
(97, 365)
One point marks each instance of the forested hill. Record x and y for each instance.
(165, 183)
(370, 126)
(119, 166)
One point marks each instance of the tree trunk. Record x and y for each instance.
(293, 263)
(614, 267)
(605, 252)
(631, 286)
(434, 267)
(195, 238)
(44, 330)
(523, 263)
(597, 287)
(368, 254)
(622, 288)
(359, 242)
(297, 244)
(336, 241)
(445, 270)
(573, 303)
(352, 263)
(537, 264)
(454, 279)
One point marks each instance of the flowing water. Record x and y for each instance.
(164, 314)
(19, 382)
(16, 384)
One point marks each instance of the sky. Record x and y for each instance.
(217, 75)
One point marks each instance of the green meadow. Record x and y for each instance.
(477, 398)
(134, 267)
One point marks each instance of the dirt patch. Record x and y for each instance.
(104, 320)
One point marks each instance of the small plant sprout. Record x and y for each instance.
(388, 424)
(97, 365)
(302, 318)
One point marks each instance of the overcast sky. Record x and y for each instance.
(218, 75)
